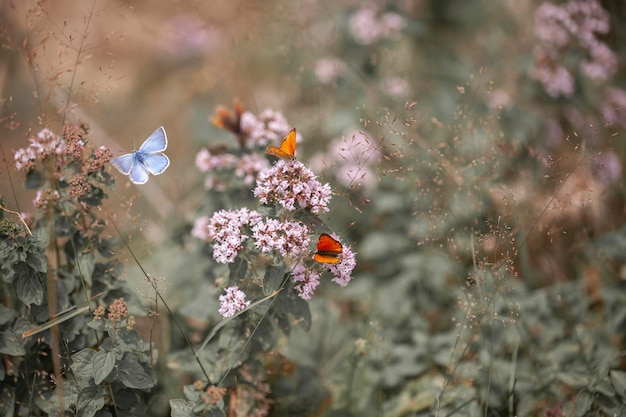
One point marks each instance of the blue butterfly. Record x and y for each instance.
(148, 159)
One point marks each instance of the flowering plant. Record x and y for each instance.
(269, 249)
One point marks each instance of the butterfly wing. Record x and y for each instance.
(124, 163)
(329, 250)
(156, 142)
(156, 163)
(138, 173)
(287, 148)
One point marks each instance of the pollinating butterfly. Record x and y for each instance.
(148, 159)
(329, 250)
(287, 149)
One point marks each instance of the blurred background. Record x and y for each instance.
(471, 144)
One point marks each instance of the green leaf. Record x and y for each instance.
(34, 180)
(584, 401)
(11, 343)
(82, 363)
(238, 270)
(618, 379)
(37, 260)
(274, 276)
(85, 265)
(29, 289)
(103, 363)
(132, 375)
(90, 400)
(6, 315)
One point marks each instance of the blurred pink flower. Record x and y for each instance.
(559, 28)
(328, 69)
(614, 107)
(396, 87)
(188, 36)
(354, 157)
(206, 161)
(607, 167)
(366, 27)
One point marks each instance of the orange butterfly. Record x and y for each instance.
(329, 250)
(287, 148)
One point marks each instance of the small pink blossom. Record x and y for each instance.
(232, 302)
(206, 161)
(44, 144)
(287, 238)
(305, 281)
(267, 127)
(200, 228)
(225, 230)
(290, 184)
(249, 166)
(366, 27)
(573, 25)
(342, 271)
(328, 69)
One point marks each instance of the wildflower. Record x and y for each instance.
(25, 159)
(47, 143)
(396, 87)
(306, 280)
(45, 198)
(614, 107)
(78, 187)
(98, 313)
(291, 184)
(225, 230)
(288, 238)
(101, 156)
(233, 301)
(118, 310)
(607, 167)
(269, 126)
(249, 166)
(201, 228)
(576, 23)
(367, 27)
(207, 161)
(342, 270)
(328, 69)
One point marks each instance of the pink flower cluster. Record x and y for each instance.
(232, 302)
(225, 230)
(290, 184)
(367, 26)
(342, 271)
(560, 28)
(328, 69)
(253, 133)
(290, 239)
(44, 144)
(306, 281)
(269, 126)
